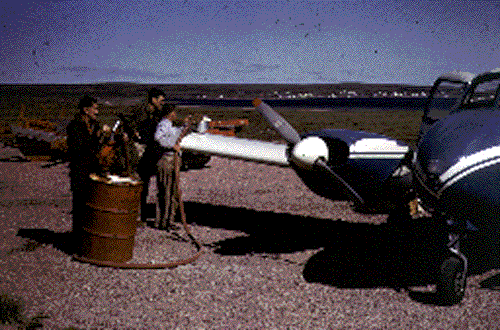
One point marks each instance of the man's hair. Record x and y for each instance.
(86, 101)
(154, 92)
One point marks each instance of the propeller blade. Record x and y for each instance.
(291, 136)
(354, 195)
(286, 130)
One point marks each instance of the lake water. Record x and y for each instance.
(317, 103)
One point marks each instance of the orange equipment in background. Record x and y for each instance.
(226, 127)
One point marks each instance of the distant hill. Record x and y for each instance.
(115, 90)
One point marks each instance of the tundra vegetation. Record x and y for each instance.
(58, 103)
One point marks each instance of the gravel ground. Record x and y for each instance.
(262, 228)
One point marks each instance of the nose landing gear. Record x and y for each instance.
(452, 276)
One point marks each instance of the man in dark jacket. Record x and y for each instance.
(146, 128)
(83, 148)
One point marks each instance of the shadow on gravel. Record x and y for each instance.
(37, 238)
(492, 283)
(268, 232)
(16, 159)
(385, 256)
(364, 256)
(354, 255)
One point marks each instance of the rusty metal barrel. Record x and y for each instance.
(109, 222)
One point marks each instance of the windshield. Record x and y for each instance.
(483, 95)
(445, 98)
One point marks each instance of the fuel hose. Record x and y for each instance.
(172, 264)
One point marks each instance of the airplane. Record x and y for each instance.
(453, 171)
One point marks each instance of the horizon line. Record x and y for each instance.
(210, 83)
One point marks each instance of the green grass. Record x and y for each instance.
(12, 313)
(400, 124)
(59, 102)
(11, 310)
(396, 123)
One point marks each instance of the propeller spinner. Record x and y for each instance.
(306, 153)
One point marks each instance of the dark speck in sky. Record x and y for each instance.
(376, 51)
(306, 35)
(34, 52)
(217, 13)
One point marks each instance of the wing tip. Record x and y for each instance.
(256, 102)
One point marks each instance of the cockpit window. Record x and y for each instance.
(445, 98)
(483, 95)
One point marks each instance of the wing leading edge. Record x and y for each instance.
(233, 147)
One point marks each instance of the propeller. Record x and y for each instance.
(279, 123)
(353, 194)
(309, 152)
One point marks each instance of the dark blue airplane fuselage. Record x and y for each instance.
(457, 173)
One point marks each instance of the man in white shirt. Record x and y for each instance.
(168, 196)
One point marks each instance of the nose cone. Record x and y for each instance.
(307, 151)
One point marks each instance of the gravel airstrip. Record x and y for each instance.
(263, 232)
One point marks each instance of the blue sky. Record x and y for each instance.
(276, 41)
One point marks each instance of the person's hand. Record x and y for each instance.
(187, 120)
(177, 148)
(105, 131)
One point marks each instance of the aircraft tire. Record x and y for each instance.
(452, 281)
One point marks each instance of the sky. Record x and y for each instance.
(274, 41)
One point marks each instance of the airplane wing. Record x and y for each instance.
(239, 148)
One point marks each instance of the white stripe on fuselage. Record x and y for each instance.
(377, 148)
(469, 171)
(471, 160)
(376, 156)
(470, 164)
